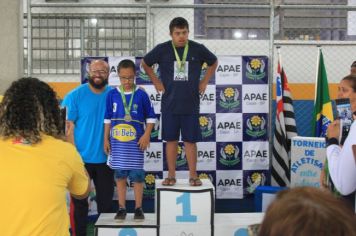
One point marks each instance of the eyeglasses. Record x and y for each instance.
(127, 79)
(101, 72)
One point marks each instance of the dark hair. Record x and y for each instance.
(29, 108)
(353, 64)
(126, 63)
(178, 22)
(308, 211)
(352, 79)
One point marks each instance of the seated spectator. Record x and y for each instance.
(37, 166)
(308, 211)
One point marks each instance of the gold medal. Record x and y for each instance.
(127, 118)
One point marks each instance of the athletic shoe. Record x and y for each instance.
(121, 214)
(139, 215)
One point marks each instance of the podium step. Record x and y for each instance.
(184, 204)
(106, 225)
(227, 224)
(183, 184)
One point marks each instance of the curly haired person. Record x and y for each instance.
(37, 166)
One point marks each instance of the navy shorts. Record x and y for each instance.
(187, 125)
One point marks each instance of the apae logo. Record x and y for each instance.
(254, 98)
(254, 181)
(229, 98)
(255, 69)
(203, 70)
(142, 74)
(181, 160)
(256, 126)
(229, 182)
(229, 155)
(229, 68)
(204, 175)
(113, 70)
(154, 155)
(206, 154)
(207, 97)
(156, 97)
(229, 125)
(149, 185)
(256, 154)
(206, 124)
(155, 130)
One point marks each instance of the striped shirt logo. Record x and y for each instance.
(124, 132)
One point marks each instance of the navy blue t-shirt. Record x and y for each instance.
(180, 96)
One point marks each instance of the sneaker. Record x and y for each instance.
(139, 215)
(121, 214)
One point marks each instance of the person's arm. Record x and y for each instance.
(156, 81)
(69, 103)
(107, 127)
(144, 141)
(149, 114)
(209, 73)
(70, 131)
(341, 161)
(86, 193)
(107, 122)
(79, 183)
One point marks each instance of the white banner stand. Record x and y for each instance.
(307, 160)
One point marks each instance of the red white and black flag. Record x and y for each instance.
(285, 129)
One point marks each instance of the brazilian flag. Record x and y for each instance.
(323, 113)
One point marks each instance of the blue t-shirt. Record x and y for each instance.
(125, 153)
(86, 109)
(180, 96)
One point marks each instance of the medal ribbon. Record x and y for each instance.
(127, 108)
(181, 63)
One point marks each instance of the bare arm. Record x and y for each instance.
(107, 127)
(209, 73)
(156, 82)
(144, 141)
(70, 131)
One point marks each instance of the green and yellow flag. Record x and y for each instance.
(323, 113)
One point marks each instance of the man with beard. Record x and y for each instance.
(85, 106)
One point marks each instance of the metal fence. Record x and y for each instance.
(57, 35)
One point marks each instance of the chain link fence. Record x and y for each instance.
(57, 35)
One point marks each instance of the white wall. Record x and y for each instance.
(10, 42)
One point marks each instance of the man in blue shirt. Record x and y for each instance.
(85, 106)
(180, 61)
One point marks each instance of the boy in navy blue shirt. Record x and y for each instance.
(180, 61)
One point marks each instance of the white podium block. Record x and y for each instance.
(183, 204)
(186, 230)
(107, 226)
(236, 223)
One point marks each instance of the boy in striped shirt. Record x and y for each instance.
(128, 109)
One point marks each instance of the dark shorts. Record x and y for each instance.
(187, 125)
(136, 176)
